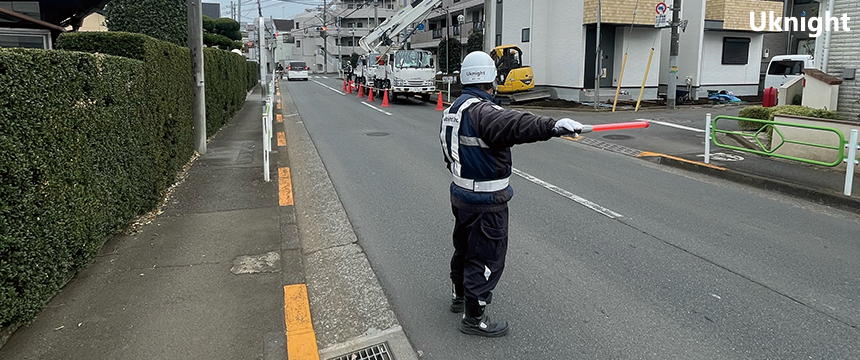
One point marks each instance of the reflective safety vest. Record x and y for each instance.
(472, 168)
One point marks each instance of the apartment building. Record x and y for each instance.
(443, 23)
(718, 49)
(346, 21)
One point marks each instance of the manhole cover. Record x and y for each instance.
(617, 137)
(724, 157)
(375, 352)
(377, 134)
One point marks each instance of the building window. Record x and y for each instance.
(359, 25)
(298, 43)
(526, 35)
(498, 39)
(390, 6)
(736, 51)
(298, 25)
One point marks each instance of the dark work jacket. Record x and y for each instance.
(500, 129)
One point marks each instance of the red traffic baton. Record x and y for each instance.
(615, 126)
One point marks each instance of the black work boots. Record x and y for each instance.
(457, 299)
(475, 322)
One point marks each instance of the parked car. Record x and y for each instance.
(784, 68)
(297, 70)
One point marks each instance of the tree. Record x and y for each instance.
(449, 60)
(476, 42)
(162, 19)
(353, 60)
(222, 33)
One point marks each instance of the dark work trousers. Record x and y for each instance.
(480, 246)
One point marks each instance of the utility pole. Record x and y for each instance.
(325, 41)
(261, 48)
(375, 13)
(239, 12)
(672, 90)
(195, 44)
(598, 69)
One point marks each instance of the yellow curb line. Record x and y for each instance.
(301, 339)
(280, 118)
(653, 154)
(282, 140)
(285, 186)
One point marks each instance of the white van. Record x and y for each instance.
(786, 67)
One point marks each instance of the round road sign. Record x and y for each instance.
(661, 8)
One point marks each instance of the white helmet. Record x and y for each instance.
(477, 68)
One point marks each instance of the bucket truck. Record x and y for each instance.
(403, 72)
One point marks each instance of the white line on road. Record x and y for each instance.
(584, 202)
(674, 125)
(330, 88)
(325, 77)
(377, 109)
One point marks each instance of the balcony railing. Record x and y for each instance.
(437, 33)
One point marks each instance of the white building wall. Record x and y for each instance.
(743, 80)
(563, 49)
(844, 50)
(690, 54)
(638, 47)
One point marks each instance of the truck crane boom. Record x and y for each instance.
(381, 35)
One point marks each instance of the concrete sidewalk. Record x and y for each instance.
(184, 286)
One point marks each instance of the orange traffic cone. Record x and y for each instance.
(439, 106)
(360, 90)
(385, 99)
(348, 88)
(344, 85)
(370, 97)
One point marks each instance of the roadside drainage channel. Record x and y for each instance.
(350, 312)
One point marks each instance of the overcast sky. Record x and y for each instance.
(278, 9)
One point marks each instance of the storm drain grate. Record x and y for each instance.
(609, 147)
(374, 352)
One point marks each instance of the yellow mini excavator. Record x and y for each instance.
(515, 80)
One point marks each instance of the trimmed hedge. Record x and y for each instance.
(168, 89)
(763, 113)
(77, 165)
(88, 142)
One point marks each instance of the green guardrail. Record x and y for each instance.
(771, 126)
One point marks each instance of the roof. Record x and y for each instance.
(69, 12)
(284, 25)
(21, 21)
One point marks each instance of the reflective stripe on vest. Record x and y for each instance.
(482, 186)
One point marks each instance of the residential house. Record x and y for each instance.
(843, 60)
(718, 49)
(443, 23)
(37, 24)
(285, 41)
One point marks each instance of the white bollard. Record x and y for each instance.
(708, 139)
(851, 161)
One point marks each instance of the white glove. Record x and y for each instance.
(567, 126)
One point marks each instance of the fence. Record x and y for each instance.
(769, 126)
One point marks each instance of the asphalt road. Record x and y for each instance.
(693, 268)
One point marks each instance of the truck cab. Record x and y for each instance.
(407, 72)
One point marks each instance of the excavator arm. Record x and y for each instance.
(381, 35)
